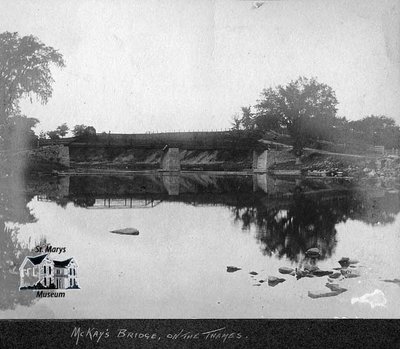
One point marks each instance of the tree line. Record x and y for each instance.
(306, 110)
(62, 130)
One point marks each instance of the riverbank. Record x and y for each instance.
(122, 161)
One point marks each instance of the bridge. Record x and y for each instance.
(171, 143)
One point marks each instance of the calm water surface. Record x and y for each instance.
(192, 227)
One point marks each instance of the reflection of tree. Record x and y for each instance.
(375, 210)
(84, 201)
(306, 223)
(13, 209)
(288, 227)
(13, 203)
(290, 230)
(12, 254)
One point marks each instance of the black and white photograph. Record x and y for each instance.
(198, 160)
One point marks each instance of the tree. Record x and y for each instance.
(377, 130)
(42, 135)
(53, 134)
(24, 72)
(62, 129)
(244, 122)
(268, 115)
(305, 107)
(79, 130)
(236, 123)
(17, 133)
(83, 131)
(247, 118)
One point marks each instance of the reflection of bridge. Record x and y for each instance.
(123, 203)
(198, 189)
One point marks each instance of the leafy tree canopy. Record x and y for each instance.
(305, 108)
(17, 131)
(376, 130)
(53, 134)
(62, 129)
(24, 72)
(83, 130)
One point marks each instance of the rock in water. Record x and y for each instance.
(313, 252)
(351, 273)
(344, 262)
(232, 269)
(310, 268)
(334, 291)
(285, 270)
(303, 273)
(253, 273)
(335, 287)
(273, 281)
(322, 272)
(126, 231)
(335, 275)
(395, 281)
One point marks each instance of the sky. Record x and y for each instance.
(168, 65)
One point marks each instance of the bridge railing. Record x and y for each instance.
(185, 140)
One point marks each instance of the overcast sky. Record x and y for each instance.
(148, 65)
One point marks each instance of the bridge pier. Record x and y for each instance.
(260, 161)
(171, 161)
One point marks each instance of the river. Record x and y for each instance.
(207, 245)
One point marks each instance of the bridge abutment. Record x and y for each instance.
(260, 161)
(171, 160)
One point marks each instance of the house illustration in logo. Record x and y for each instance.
(42, 272)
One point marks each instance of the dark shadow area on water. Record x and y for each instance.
(13, 209)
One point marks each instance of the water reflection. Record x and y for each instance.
(288, 216)
(13, 209)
